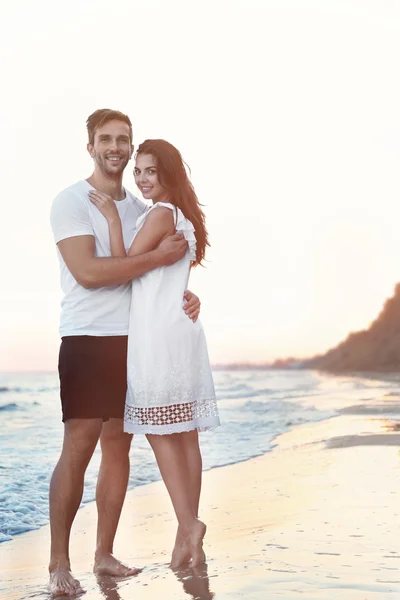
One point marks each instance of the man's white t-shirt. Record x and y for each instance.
(100, 311)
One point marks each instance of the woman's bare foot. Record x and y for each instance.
(62, 583)
(196, 544)
(189, 545)
(107, 564)
(180, 553)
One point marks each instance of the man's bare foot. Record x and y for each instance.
(107, 564)
(62, 583)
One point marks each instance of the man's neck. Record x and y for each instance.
(106, 185)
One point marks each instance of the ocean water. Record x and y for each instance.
(255, 406)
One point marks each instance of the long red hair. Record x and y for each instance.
(173, 177)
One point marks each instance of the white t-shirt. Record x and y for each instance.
(100, 311)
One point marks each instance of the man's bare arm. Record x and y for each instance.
(91, 271)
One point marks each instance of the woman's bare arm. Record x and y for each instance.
(158, 225)
(91, 271)
(108, 209)
(116, 237)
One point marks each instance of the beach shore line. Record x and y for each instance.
(318, 517)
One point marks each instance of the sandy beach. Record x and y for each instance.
(316, 518)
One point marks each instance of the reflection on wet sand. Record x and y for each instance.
(195, 582)
(108, 586)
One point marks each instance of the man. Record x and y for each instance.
(92, 362)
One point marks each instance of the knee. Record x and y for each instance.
(80, 439)
(115, 443)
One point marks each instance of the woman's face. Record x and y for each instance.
(146, 179)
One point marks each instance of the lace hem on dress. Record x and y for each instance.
(205, 424)
(174, 418)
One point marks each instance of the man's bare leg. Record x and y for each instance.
(110, 495)
(66, 488)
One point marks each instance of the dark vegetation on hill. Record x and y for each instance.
(374, 349)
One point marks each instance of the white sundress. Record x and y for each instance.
(170, 385)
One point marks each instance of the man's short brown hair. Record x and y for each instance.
(101, 117)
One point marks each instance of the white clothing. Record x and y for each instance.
(170, 385)
(101, 311)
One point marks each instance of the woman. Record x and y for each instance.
(170, 395)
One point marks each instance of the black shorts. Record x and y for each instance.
(93, 376)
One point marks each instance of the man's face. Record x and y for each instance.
(112, 148)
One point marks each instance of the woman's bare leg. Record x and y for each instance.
(194, 465)
(173, 468)
(190, 450)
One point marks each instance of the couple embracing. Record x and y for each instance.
(133, 355)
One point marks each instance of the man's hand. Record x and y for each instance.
(172, 249)
(192, 306)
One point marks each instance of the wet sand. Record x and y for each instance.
(316, 518)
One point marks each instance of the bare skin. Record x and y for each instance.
(193, 476)
(82, 435)
(178, 455)
(179, 460)
(66, 489)
(110, 495)
(79, 253)
(62, 583)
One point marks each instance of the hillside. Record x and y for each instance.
(374, 349)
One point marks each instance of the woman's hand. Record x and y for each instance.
(192, 306)
(105, 204)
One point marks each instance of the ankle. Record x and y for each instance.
(184, 528)
(59, 563)
(102, 551)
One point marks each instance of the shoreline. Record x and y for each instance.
(304, 520)
(375, 375)
(215, 452)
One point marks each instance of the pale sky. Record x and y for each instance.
(288, 113)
